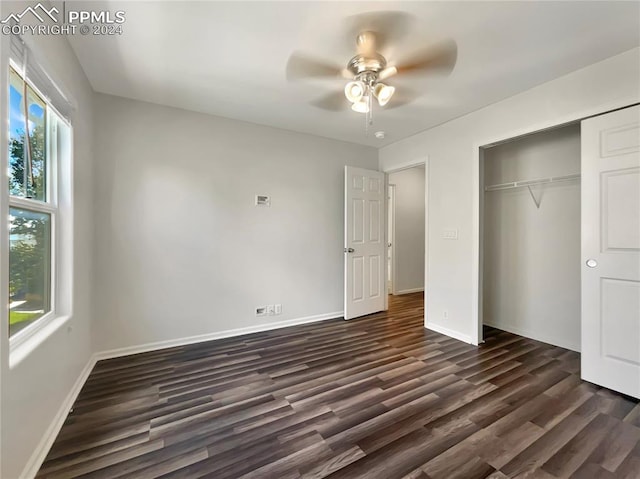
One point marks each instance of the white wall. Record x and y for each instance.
(531, 263)
(409, 229)
(183, 251)
(34, 389)
(453, 186)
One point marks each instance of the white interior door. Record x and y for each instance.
(364, 282)
(611, 250)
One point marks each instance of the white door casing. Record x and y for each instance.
(611, 250)
(391, 204)
(364, 252)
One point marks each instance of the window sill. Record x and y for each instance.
(22, 346)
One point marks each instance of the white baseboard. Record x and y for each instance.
(40, 453)
(408, 291)
(448, 332)
(510, 328)
(143, 348)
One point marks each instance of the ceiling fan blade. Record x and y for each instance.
(387, 27)
(401, 97)
(332, 102)
(304, 66)
(439, 58)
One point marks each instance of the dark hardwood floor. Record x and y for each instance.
(378, 397)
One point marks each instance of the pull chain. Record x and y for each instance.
(368, 116)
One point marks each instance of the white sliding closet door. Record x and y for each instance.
(611, 250)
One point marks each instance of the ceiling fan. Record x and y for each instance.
(368, 69)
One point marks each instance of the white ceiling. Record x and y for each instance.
(229, 58)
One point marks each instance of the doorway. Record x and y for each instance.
(368, 225)
(406, 227)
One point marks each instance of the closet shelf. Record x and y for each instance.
(528, 183)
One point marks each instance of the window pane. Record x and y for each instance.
(20, 174)
(29, 267)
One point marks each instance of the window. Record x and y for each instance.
(33, 205)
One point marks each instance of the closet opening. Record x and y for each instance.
(530, 236)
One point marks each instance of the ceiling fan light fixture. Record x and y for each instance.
(361, 106)
(383, 93)
(354, 91)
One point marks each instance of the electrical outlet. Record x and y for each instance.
(445, 314)
(271, 310)
(261, 311)
(278, 309)
(450, 234)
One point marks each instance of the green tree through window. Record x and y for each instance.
(30, 229)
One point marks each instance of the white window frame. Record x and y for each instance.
(50, 206)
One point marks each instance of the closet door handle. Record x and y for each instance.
(591, 263)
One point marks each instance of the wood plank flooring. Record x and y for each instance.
(377, 397)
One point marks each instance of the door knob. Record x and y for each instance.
(592, 263)
(349, 250)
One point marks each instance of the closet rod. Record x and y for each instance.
(526, 183)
